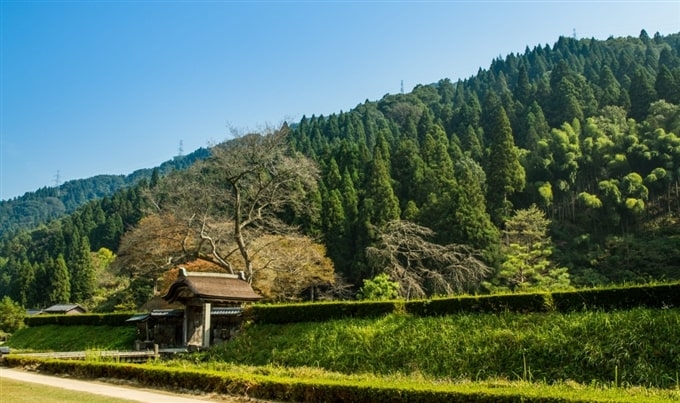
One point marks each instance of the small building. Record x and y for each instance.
(33, 311)
(162, 327)
(64, 309)
(212, 313)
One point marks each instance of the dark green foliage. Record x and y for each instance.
(106, 319)
(505, 175)
(322, 311)
(34, 208)
(481, 304)
(604, 299)
(658, 296)
(590, 126)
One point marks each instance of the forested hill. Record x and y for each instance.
(48, 203)
(560, 166)
(587, 130)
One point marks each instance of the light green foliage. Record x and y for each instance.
(589, 200)
(527, 249)
(546, 193)
(379, 288)
(11, 315)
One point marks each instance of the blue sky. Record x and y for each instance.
(108, 87)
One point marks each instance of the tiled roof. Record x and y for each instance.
(210, 287)
(216, 311)
(161, 313)
(226, 311)
(63, 308)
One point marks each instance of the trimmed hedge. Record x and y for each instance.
(650, 296)
(539, 302)
(322, 311)
(298, 390)
(96, 319)
(607, 299)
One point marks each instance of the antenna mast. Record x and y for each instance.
(181, 148)
(57, 183)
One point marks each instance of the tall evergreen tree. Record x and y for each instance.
(667, 86)
(642, 94)
(380, 202)
(505, 174)
(82, 273)
(60, 285)
(527, 249)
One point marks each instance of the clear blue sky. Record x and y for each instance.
(108, 87)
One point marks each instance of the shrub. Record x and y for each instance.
(11, 315)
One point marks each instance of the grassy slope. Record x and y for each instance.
(73, 338)
(637, 347)
(481, 351)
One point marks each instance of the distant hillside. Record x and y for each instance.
(560, 166)
(47, 203)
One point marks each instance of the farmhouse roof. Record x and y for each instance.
(64, 308)
(210, 287)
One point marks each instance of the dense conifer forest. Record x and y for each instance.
(559, 167)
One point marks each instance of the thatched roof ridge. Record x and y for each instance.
(210, 287)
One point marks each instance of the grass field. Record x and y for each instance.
(12, 391)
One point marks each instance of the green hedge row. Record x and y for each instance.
(284, 389)
(539, 302)
(651, 296)
(101, 319)
(322, 311)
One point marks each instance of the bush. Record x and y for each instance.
(380, 288)
(11, 315)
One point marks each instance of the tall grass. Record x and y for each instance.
(637, 347)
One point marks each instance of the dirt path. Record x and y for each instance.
(105, 389)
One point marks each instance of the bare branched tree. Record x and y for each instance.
(423, 268)
(222, 204)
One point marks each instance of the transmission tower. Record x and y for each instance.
(57, 183)
(181, 148)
